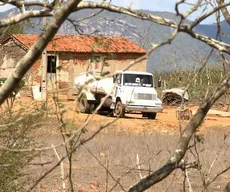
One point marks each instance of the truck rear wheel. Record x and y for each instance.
(150, 115)
(119, 110)
(83, 105)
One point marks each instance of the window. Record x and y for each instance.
(97, 66)
(51, 63)
(96, 63)
(138, 80)
(117, 78)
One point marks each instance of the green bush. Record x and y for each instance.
(207, 79)
(16, 134)
(10, 100)
(16, 90)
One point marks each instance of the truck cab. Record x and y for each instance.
(135, 92)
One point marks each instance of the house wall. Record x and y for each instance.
(71, 64)
(10, 54)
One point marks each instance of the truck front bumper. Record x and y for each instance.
(146, 109)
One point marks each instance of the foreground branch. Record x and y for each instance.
(23, 16)
(182, 146)
(34, 53)
(222, 47)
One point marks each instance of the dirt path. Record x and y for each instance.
(134, 123)
(165, 122)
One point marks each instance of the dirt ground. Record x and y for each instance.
(165, 122)
(117, 147)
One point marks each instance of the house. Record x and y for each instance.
(70, 55)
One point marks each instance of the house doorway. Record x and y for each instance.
(96, 64)
(52, 63)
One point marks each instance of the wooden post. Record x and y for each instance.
(44, 66)
(227, 97)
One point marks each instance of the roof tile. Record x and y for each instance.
(84, 44)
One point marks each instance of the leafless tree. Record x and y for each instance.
(60, 12)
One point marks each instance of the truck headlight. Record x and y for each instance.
(129, 102)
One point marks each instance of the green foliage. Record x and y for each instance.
(15, 135)
(99, 43)
(104, 74)
(59, 68)
(16, 90)
(12, 29)
(101, 60)
(207, 79)
(199, 138)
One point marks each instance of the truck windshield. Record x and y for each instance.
(138, 80)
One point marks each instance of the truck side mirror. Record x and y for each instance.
(159, 83)
(117, 79)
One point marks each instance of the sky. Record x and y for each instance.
(162, 5)
(153, 5)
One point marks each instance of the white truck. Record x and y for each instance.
(127, 91)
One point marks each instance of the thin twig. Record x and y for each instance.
(62, 169)
(110, 174)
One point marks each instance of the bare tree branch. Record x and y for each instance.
(223, 47)
(217, 175)
(133, 13)
(224, 10)
(184, 140)
(34, 53)
(21, 3)
(110, 174)
(62, 13)
(205, 16)
(23, 16)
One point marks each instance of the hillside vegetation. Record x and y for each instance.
(181, 52)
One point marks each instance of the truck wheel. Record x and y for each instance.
(92, 108)
(152, 115)
(83, 105)
(119, 110)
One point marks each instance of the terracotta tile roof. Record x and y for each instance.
(84, 44)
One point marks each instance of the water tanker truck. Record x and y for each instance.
(125, 92)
